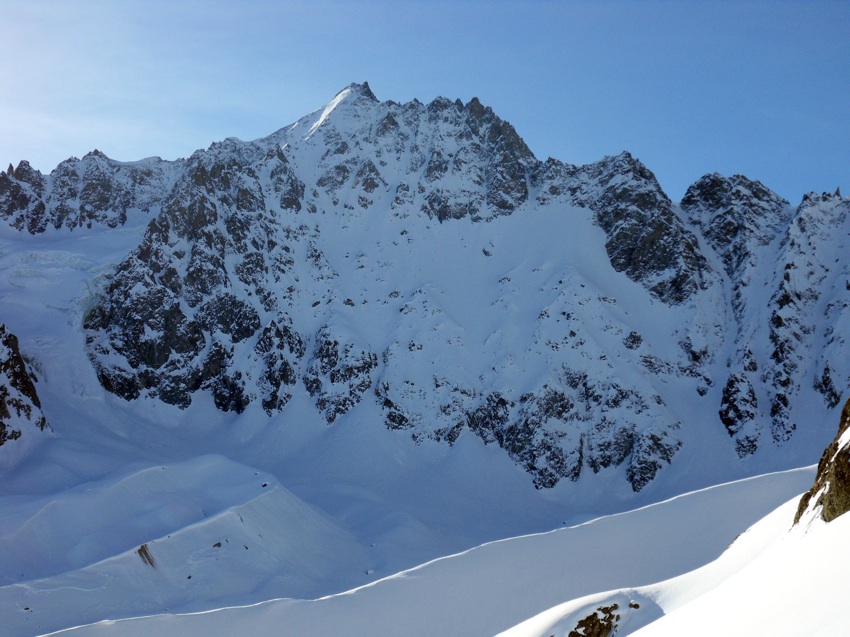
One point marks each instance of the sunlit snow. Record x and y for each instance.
(140, 518)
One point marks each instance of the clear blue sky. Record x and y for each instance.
(754, 87)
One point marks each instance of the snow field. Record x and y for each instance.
(490, 588)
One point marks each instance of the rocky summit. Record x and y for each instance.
(417, 263)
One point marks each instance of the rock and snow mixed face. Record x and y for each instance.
(829, 497)
(20, 407)
(419, 259)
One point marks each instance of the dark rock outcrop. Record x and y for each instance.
(338, 375)
(739, 413)
(736, 215)
(188, 303)
(19, 403)
(600, 623)
(646, 239)
(80, 193)
(829, 497)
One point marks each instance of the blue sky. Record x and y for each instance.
(753, 87)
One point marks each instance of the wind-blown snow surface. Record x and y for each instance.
(773, 580)
(489, 588)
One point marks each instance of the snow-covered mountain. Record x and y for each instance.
(391, 329)
(419, 256)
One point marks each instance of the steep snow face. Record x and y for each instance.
(759, 585)
(768, 581)
(768, 594)
(809, 309)
(417, 260)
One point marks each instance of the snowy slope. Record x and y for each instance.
(184, 535)
(783, 576)
(484, 590)
(800, 584)
(773, 580)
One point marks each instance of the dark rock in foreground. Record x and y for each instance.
(829, 497)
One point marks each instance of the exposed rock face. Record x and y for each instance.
(809, 305)
(536, 431)
(601, 623)
(739, 413)
(81, 192)
(739, 219)
(338, 375)
(736, 215)
(326, 260)
(196, 297)
(765, 244)
(201, 304)
(646, 239)
(19, 403)
(829, 497)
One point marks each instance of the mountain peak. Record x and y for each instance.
(353, 94)
(356, 90)
(360, 90)
(813, 198)
(96, 153)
